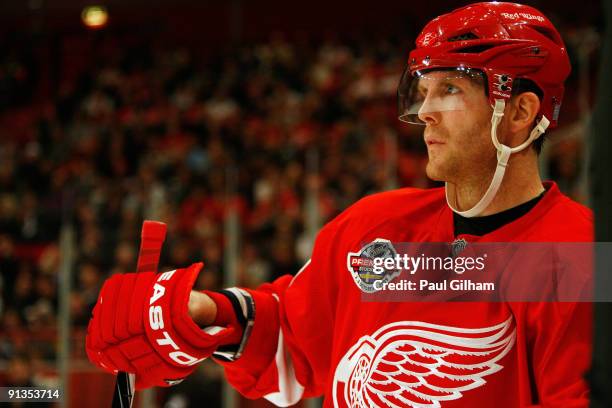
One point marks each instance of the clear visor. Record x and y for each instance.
(434, 91)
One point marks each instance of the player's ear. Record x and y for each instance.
(525, 107)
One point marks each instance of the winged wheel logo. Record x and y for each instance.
(419, 364)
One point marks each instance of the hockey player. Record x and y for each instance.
(486, 81)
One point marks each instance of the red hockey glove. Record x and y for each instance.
(141, 325)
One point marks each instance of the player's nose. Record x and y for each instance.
(428, 117)
(429, 112)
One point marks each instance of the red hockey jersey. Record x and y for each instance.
(313, 335)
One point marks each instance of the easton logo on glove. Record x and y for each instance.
(156, 323)
(141, 325)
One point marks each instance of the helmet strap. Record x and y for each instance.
(503, 155)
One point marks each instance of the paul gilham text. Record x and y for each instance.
(455, 285)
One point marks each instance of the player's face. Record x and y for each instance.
(458, 140)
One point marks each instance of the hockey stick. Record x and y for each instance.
(151, 239)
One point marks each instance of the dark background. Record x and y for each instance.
(78, 147)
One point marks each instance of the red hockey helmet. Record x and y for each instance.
(504, 41)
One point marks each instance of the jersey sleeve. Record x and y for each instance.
(560, 346)
(287, 354)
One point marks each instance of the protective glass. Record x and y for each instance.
(434, 91)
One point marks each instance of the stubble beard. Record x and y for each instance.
(451, 166)
(442, 168)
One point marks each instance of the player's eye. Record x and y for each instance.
(450, 89)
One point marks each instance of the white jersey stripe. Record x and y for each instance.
(290, 391)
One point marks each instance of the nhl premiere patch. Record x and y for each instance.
(361, 264)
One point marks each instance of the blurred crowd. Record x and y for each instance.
(281, 135)
(258, 132)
